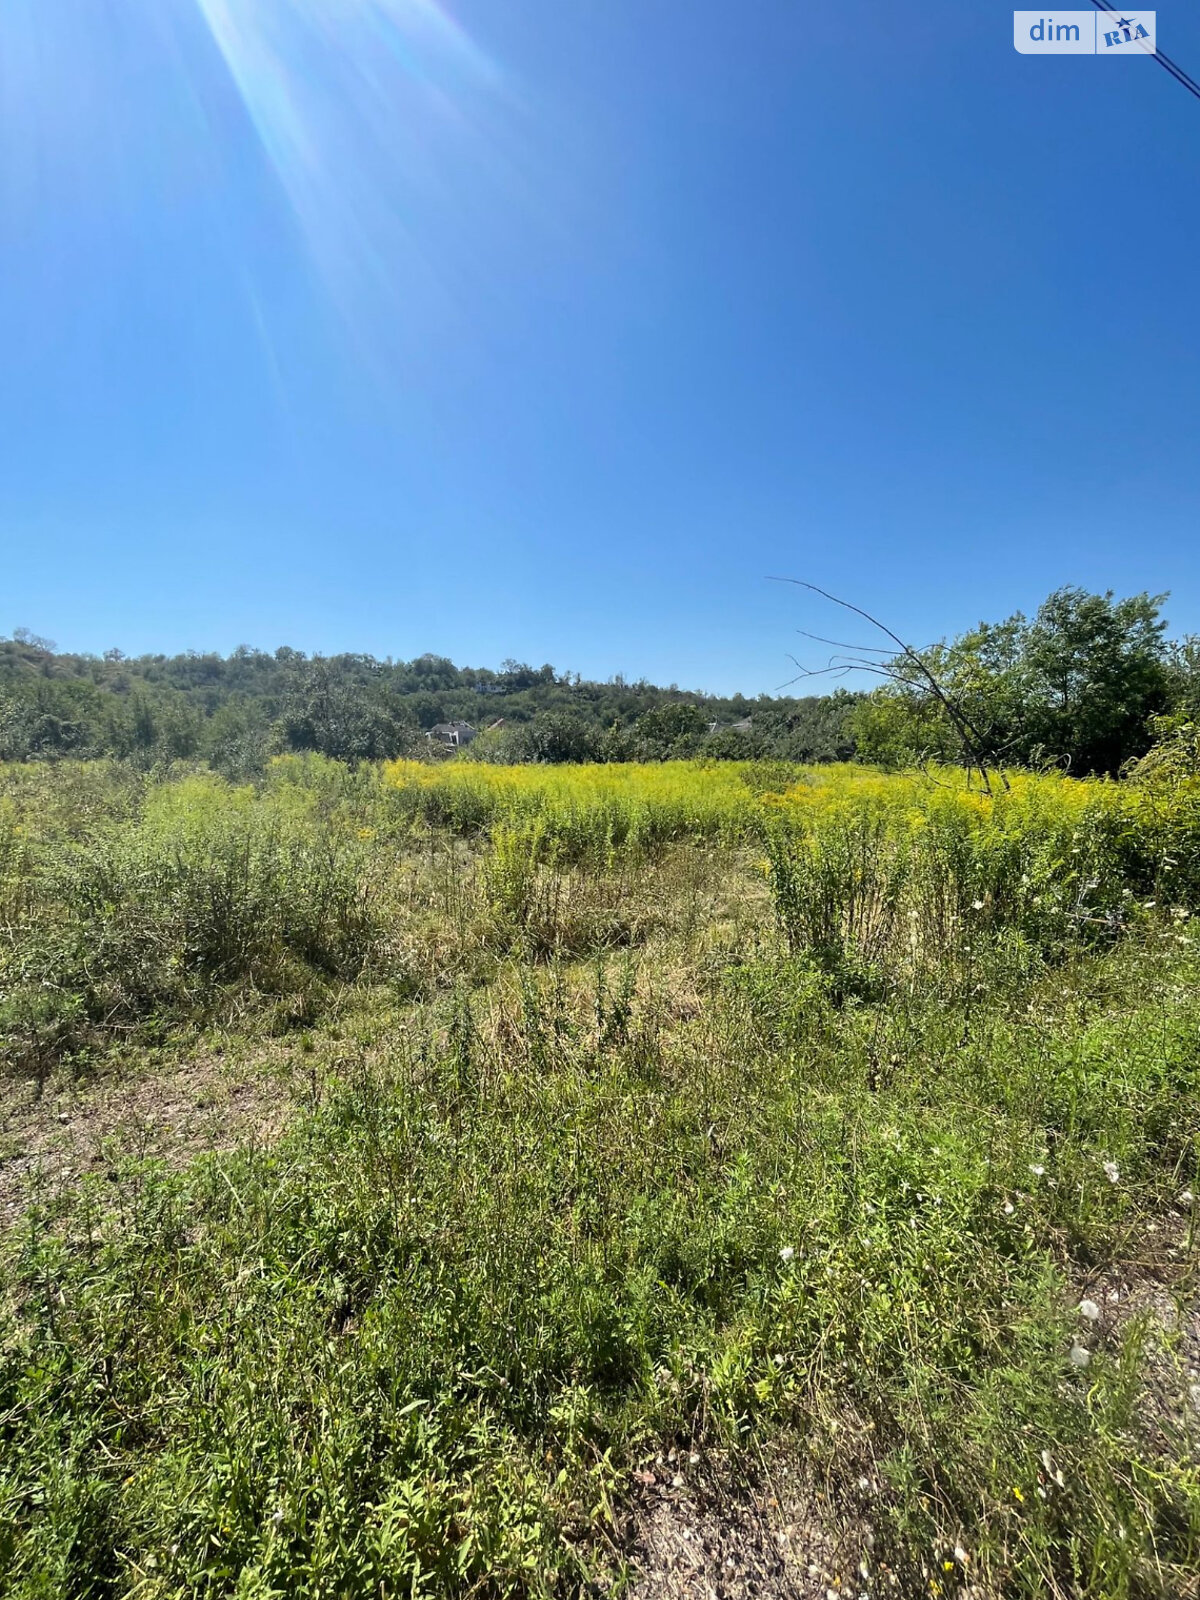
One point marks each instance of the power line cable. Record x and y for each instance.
(1163, 59)
(1173, 67)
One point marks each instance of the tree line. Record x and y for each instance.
(1088, 684)
(237, 711)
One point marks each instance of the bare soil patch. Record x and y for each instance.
(51, 1137)
(708, 1537)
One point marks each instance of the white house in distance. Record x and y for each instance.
(452, 733)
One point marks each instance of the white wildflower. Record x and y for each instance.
(961, 1556)
(787, 1252)
(1009, 1208)
(1089, 1310)
(1080, 1356)
(1112, 1172)
(1037, 1169)
(1186, 1197)
(976, 905)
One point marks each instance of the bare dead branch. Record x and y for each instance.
(841, 644)
(973, 741)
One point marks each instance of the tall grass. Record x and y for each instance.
(1140, 835)
(416, 1348)
(127, 902)
(724, 1109)
(153, 912)
(914, 873)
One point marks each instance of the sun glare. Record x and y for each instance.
(360, 107)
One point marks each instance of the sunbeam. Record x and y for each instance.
(416, 179)
(366, 111)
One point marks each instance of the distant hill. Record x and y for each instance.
(236, 711)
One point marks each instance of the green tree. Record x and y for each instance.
(562, 736)
(1093, 671)
(1077, 686)
(1183, 677)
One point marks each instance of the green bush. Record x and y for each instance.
(208, 888)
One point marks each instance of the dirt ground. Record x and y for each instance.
(1159, 1289)
(50, 1136)
(697, 1533)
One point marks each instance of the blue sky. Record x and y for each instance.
(549, 330)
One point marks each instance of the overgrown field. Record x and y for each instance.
(727, 1115)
